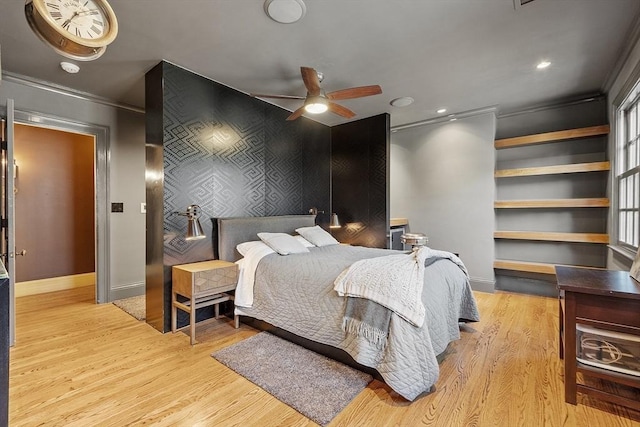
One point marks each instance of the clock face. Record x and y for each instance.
(81, 18)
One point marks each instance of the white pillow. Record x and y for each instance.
(245, 247)
(317, 236)
(305, 242)
(283, 243)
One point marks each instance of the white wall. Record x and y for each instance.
(442, 180)
(127, 166)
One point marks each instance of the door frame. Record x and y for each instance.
(102, 163)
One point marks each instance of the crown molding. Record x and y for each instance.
(632, 39)
(66, 91)
(557, 104)
(446, 118)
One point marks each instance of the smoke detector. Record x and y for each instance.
(285, 11)
(69, 67)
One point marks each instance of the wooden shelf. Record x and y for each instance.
(398, 222)
(528, 266)
(553, 170)
(553, 237)
(542, 138)
(552, 203)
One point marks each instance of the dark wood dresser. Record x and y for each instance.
(4, 349)
(597, 300)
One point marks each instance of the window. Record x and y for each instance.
(628, 171)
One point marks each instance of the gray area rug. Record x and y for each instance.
(135, 306)
(314, 385)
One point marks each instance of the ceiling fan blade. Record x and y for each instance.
(261, 95)
(340, 110)
(355, 92)
(311, 81)
(296, 113)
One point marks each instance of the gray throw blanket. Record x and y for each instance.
(367, 319)
(377, 287)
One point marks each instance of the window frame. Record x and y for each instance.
(625, 147)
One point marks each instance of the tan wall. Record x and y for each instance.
(54, 203)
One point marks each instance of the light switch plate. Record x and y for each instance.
(143, 208)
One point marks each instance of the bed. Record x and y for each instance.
(295, 294)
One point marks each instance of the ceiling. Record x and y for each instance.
(463, 55)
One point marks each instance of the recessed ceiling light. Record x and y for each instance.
(441, 110)
(285, 11)
(543, 64)
(402, 101)
(69, 67)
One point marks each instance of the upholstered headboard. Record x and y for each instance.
(232, 231)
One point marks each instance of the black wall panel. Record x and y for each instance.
(231, 154)
(360, 180)
(316, 177)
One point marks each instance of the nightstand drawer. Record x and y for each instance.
(217, 280)
(204, 278)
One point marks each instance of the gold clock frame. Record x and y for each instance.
(65, 43)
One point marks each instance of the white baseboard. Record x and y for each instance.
(54, 284)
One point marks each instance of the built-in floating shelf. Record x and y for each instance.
(553, 236)
(570, 136)
(554, 170)
(552, 203)
(398, 222)
(529, 267)
(526, 266)
(542, 138)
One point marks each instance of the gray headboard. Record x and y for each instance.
(232, 231)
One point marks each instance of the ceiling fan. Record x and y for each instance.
(317, 101)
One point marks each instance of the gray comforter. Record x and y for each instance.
(295, 293)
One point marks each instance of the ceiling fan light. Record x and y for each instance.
(316, 105)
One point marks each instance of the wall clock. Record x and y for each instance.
(77, 29)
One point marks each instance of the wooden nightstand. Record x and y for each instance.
(203, 283)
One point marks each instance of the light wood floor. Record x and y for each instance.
(80, 364)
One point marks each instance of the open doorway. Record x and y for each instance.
(54, 209)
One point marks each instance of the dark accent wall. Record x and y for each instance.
(360, 180)
(229, 153)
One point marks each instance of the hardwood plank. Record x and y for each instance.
(552, 203)
(76, 363)
(542, 138)
(553, 170)
(553, 237)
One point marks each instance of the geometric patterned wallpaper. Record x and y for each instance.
(227, 152)
(233, 155)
